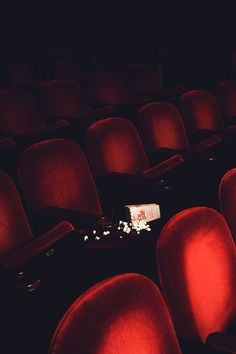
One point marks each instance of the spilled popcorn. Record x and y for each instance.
(134, 227)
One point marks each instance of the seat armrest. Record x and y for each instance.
(163, 167)
(230, 130)
(223, 342)
(53, 215)
(205, 144)
(139, 101)
(6, 143)
(37, 245)
(48, 128)
(116, 177)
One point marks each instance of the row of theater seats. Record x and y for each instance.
(139, 78)
(66, 99)
(53, 244)
(196, 264)
(57, 184)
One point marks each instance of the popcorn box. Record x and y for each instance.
(146, 212)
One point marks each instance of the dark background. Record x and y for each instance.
(191, 41)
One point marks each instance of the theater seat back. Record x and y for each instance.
(227, 198)
(161, 126)
(142, 79)
(105, 87)
(196, 260)
(226, 96)
(19, 113)
(114, 145)
(55, 173)
(14, 227)
(124, 314)
(62, 98)
(59, 65)
(200, 111)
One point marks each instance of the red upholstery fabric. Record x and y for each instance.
(196, 260)
(226, 96)
(227, 197)
(62, 98)
(161, 126)
(124, 314)
(59, 65)
(113, 145)
(200, 111)
(14, 228)
(105, 87)
(18, 112)
(142, 78)
(55, 173)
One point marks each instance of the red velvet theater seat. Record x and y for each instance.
(196, 260)
(19, 116)
(58, 65)
(117, 157)
(201, 114)
(123, 314)
(146, 79)
(21, 72)
(66, 99)
(226, 95)
(17, 244)
(163, 132)
(107, 88)
(55, 174)
(227, 198)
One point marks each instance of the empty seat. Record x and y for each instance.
(19, 115)
(163, 131)
(59, 65)
(201, 112)
(123, 314)
(196, 259)
(65, 98)
(226, 95)
(227, 198)
(202, 116)
(142, 79)
(117, 157)
(21, 73)
(107, 88)
(55, 173)
(17, 244)
(146, 79)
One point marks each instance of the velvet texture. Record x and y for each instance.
(226, 96)
(124, 314)
(14, 227)
(227, 198)
(19, 113)
(55, 173)
(142, 79)
(161, 126)
(105, 87)
(196, 261)
(201, 111)
(59, 65)
(62, 98)
(114, 145)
